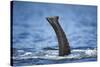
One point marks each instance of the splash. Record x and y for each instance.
(53, 54)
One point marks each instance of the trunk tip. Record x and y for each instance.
(52, 17)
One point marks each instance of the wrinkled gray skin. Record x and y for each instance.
(64, 48)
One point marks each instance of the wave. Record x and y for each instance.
(53, 54)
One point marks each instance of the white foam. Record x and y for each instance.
(91, 52)
(20, 50)
(53, 54)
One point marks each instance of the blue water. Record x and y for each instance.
(31, 61)
(33, 35)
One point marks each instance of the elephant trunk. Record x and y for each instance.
(64, 48)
